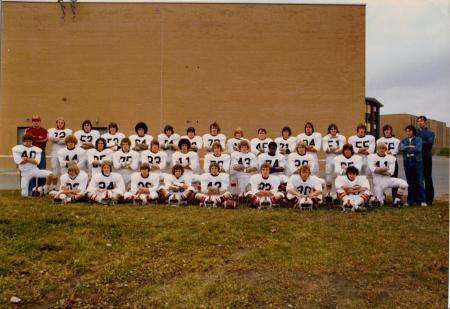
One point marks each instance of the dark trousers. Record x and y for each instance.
(427, 169)
(394, 190)
(414, 177)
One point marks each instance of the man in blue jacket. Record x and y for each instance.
(427, 136)
(411, 148)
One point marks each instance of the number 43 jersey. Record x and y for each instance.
(79, 182)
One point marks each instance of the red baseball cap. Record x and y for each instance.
(35, 118)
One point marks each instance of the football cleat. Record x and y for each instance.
(265, 203)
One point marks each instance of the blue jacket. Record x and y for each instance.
(410, 153)
(427, 136)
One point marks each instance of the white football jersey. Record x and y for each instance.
(315, 139)
(246, 159)
(95, 155)
(170, 180)
(113, 140)
(311, 184)
(165, 140)
(341, 163)
(131, 158)
(374, 161)
(276, 160)
(331, 143)
(90, 137)
(344, 181)
(76, 154)
(196, 141)
(79, 182)
(21, 151)
(392, 144)
(259, 183)
(289, 144)
(150, 182)
(259, 146)
(295, 160)
(209, 140)
(223, 161)
(112, 182)
(136, 139)
(368, 141)
(186, 158)
(233, 143)
(221, 182)
(159, 158)
(60, 135)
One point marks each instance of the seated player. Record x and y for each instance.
(215, 188)
(71, 154)
(113, 137)
(27, 157)
(382, 166)
(363, 145)
(217, 156)
(73, 186)
(346, 159)
(106, 187)
(260, 144)
(195, 140)
(144, 186)
(352, 190)
(187, 159)
(168, 142)
(214, 136)
(286, 142)
(303, 189)
(141, 140)
(313, 141)
(243, 165)
(332, 145)
(264, 189)
(274, 159)
(97, 155)
(299, 158)
(57, 136)
(126, 161)
(177, 186)
(156, 158)
(86, 135)
(233, 143)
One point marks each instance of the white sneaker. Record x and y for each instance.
(423, 204)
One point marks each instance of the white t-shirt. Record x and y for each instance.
(21, 151)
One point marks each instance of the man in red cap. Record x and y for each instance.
(40, 137)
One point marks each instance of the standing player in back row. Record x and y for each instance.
(363, 145)
(260, 144)
(141, 140)
(86, 136)
(113, 137)
(168, 142)
(332, 145)
(214, 136)
(286, 142)
(57, 136)
(392, 144)
(195, 140)
(233, 143)
(313, 141)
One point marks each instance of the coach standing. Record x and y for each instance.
(427, 136)
(40, 137)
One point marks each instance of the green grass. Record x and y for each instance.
(156, 256)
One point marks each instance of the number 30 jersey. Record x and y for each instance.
(304, 187)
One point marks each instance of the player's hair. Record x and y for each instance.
(27, 137)
(190, 129)
(422, 117)
(352, 170)
(178, 167)
(214, 164)
(333, 126)
(262, 129)
(265, 165)
(238, 130)
(184, 141)
(73, 167)
(381, 145)
(300, 145)
(107, 162)
(214, 125)
(309, 124)
(304, 168)
(348, 147)
(154, 142)
(100, 139)
(141, 125)
(361, 126)
(70, 139)
(273, 144)
(216, 144)
(242, 143)
(288, 129)
(387, 127)
(125, 140)
(145, 166)
(411, 128)
(113, 125)
(64, 123)
(168, 128)
(85, 123)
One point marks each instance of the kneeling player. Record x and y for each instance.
(264, 188)
(73, 186)
(382, 166)
(144, 186)
(303, 189)
(215, 188)
(106, 187)
(352, 189)
(177, 186)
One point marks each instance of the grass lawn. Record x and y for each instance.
(85, 256)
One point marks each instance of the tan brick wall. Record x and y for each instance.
(248, 65)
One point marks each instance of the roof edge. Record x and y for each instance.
(294, 2)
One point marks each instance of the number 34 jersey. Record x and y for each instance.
(111, 182)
